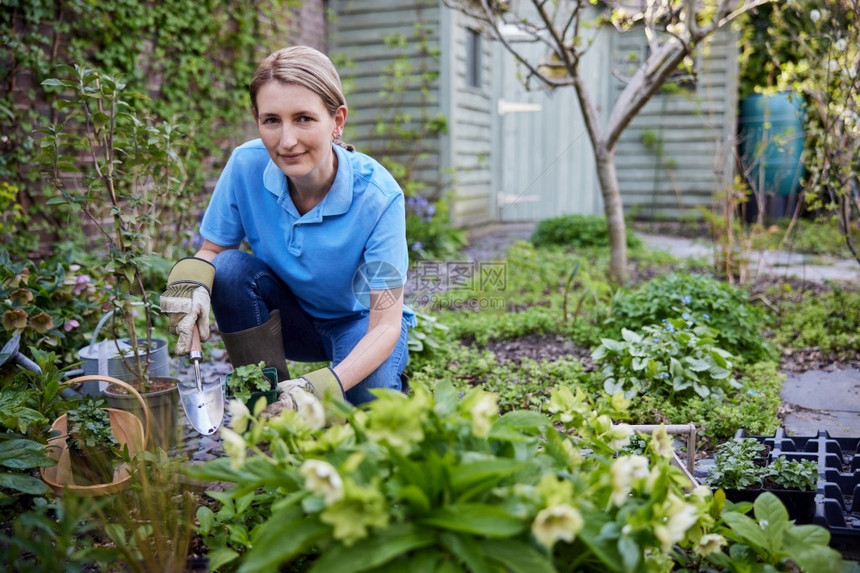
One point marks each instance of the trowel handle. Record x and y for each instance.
(196, 352)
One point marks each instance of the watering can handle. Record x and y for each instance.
(102, 322)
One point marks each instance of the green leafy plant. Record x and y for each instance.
(735, 465)
(436, 482)
(739, 464)
(576, 232)
(92, 446)
(245, 380)
(55, 534)
(676, 359)
(792, 474)
(737, 324)
(29, 402)
(769, 541)
(89, 426)
(428, 336)
(49, 303)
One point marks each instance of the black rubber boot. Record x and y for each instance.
(261, 343)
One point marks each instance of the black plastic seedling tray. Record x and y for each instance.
(837, 499)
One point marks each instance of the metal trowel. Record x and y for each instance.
(203, 403)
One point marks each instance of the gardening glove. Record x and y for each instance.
(304, 394)
(186, 300)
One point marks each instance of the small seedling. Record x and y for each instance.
(245, 380)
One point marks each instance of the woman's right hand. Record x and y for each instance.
(186, 300)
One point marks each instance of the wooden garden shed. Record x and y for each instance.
(509, 154)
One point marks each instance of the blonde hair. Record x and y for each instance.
(306, 67)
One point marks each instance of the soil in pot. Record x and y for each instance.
(163, 403)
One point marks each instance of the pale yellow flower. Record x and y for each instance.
(661, 442)
(484, 409)
(308, 408)
(239, 415)
(619, 436)
(556, 523)
(680, 516)
(234, 447)
(622, 474)
(709, 543)
(322, 479)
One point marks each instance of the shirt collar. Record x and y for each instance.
(338, 199)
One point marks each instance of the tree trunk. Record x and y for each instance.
(614, 210)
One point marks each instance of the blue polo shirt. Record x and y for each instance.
(353, 241)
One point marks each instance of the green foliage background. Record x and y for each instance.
(192, 58)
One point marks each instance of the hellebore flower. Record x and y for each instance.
(322, 479)
(709, 543)
(680, 517)
(234, 447)
(239, 415)
(661, 443)
(21, 296)
(483, 410)
(556, 523)
(623, 472)
(15, 319)
(42, 322)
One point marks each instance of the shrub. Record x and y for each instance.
(675, 359)
(576, 232)
(724, 308)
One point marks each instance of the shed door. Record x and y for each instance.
(545, 164)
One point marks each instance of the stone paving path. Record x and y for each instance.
(823, 400)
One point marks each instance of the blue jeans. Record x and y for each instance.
(245, 290)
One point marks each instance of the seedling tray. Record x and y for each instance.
(837, 498)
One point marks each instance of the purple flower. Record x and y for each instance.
(71, 325)
(81, 283)
(417, 246)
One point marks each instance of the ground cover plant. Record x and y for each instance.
(442, 482)
(712, 344)
(828, 321)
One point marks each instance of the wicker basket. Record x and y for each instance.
(127, 429)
